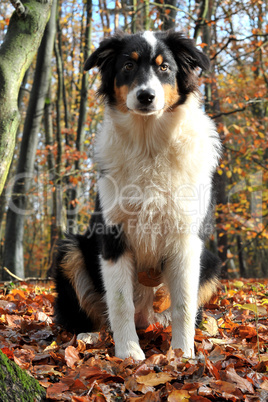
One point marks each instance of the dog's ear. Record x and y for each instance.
(105, 52)
(185, 52)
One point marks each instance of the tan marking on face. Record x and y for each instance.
(171, 96)
(121, 97)
(134, 56)
(159, 60)
(206, 291)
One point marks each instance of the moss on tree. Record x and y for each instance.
(16, 54)
(16, 384)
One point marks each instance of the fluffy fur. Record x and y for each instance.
(156, 152)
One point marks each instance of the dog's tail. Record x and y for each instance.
(79, 304)
(209, 280)
(209, 276)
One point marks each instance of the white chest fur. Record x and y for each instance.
(157, 175)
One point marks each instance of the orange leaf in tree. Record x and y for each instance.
(202, 45)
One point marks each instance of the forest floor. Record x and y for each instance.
(231, 350)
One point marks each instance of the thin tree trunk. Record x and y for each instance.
(3, 195)
(168, 13)
(48, 121)
(242, 268)
(57, 178)
(212, 106)
(74, 193)
(13, 249)
(25, 33)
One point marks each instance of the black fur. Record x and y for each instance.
(109, 241)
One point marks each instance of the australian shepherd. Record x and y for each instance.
(157, 152)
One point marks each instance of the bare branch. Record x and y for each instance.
(227, 113)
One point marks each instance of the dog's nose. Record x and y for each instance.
(146, 96)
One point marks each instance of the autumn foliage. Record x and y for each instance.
(231, 346)
(63, 186)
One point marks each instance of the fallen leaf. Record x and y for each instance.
(161, 300)
(71, 356)
(150, 278)
(23, 358)
(242, 383)
(153, 379)
(150, 396)
(55, 391)
(179, 396)
(210, 326)
(212, 369)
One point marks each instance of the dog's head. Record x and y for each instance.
(147, 72)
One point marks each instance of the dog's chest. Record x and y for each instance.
(151, 198)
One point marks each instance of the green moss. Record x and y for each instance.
(16, 384)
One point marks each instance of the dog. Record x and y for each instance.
(157, 152)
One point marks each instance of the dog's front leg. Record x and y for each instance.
(181, 274)
(118, 283)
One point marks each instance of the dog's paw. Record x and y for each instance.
(132, 349)
(188, 351)
(89, 337)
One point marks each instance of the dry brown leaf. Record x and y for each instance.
(150, 278)
(71, 356)
(210, 325)
(161, 300)
(55, 391)
(153, 379)
(242, 383)
(180, 395)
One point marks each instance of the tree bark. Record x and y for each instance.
(16, 384)
(13, 249)
(16, 54)
(74, 192)
(168, 13)
(212, 107)
(3, 197)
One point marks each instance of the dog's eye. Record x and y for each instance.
(163, 67)
(128, 66)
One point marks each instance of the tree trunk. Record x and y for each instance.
(168, 13)
(74, 192)
(3, 195)
(242, 268)
(16, 54)
(212, 106)
(13, 250)
(16, 384)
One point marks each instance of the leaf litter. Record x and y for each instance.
(231, 343)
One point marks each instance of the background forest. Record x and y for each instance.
(50, 185)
